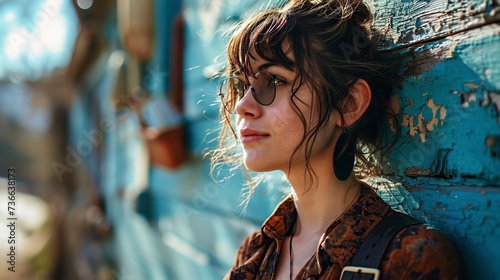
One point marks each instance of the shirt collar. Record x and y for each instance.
(350, 228)
(282, 219)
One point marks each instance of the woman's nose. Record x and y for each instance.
(247, 106)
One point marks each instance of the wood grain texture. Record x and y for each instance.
(468, 215)
(447, 162)
(405, 23)
(448, 109)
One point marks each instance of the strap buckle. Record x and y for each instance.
(361, 270)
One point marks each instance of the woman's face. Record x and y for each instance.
(270, 134)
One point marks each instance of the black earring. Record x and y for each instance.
(343, 157)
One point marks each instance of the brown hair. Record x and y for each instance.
(332, 47)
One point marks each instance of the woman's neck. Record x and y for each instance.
(321, 202)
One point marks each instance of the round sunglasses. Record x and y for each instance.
(262, 86)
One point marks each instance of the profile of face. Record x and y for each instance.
(270, 134)
(297, 78)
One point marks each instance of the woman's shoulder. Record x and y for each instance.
(419, 251)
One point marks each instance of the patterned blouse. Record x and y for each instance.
(416, 252)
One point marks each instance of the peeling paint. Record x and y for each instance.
(422, 127)
(435, 109)
(471, 85)
(471, 96)
(467, 95)
(417, 172)
(466, 98)
(493, 143)
(409, 22)
(422, 60)
(495, 99)
(448, 158)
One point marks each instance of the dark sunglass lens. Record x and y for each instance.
(264, 88)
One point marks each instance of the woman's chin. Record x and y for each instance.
(256, 167)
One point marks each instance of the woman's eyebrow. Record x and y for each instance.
(280, 67)
(267, 65)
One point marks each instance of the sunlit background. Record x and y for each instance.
(35, 37)
(107, 137)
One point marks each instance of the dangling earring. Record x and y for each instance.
(343, 156)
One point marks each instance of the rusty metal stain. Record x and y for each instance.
(490, 141)
(416, 172)
(439, 167)
(493, 143)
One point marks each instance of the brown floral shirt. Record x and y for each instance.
(416, 252)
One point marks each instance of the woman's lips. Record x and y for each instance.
(250, 136)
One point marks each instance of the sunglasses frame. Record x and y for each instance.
(231, 103)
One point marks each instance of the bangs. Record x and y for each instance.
(267, 37)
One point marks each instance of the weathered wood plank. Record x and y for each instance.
(412, 21)
(449, 111)
(468, 215)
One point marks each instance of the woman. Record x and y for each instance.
(306, 91)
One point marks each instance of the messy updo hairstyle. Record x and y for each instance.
(332, 46)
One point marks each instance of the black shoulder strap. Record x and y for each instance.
(365, 263)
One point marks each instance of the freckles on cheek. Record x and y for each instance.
(287, 121)
(279, 124)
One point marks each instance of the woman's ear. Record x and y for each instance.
(356, 103)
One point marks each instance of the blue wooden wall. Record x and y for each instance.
(198, 220)
(447, 161)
